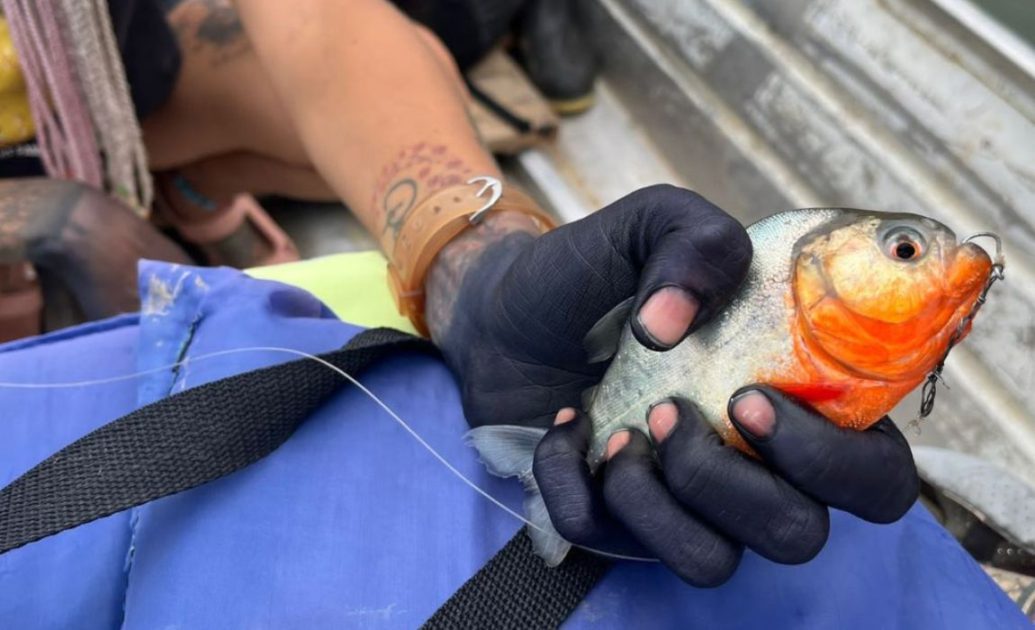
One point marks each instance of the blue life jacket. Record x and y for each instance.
(351, 523)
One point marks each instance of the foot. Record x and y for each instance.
(234, 231)
(557, 54)
(469, 29)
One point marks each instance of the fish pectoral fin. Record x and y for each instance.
(508, 451)
(601, 342)
(588, 395)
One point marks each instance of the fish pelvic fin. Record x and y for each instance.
(508, 451)
(601, 342)
(588, 396)
(812, 392)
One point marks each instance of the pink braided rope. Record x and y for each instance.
(30, 64)
(68, 142)
(75, 118)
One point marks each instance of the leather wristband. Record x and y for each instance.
(436, 221)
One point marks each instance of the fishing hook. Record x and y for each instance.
(930, 389)
(487, 183)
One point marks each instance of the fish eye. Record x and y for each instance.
(904, 244)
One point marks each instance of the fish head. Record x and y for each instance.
(882, 296)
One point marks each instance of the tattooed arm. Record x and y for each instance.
(506, 232)
(379, 109)
(382, 112)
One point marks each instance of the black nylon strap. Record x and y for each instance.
(517, 122)
(180, 442)
(210, 431)
(517, 590)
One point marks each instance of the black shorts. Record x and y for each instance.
(151, 57)
(150, 53)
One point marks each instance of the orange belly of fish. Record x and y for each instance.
(849, 401)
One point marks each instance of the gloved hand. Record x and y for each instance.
(698, 503)
(515, 339)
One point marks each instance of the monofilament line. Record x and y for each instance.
(354, 381)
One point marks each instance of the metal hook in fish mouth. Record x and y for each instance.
(999, 261)
(930, 388)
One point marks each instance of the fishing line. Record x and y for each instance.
(128, 377)
(354, 381)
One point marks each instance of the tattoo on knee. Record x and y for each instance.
(212, 27)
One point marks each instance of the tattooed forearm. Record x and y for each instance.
(415, 173)
(210, 27)
(453, 262)
(399, 199)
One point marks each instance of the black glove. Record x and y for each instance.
(524, 308)
(516, 343)
(698, 502)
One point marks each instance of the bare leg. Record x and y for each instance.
(224, 127)
(223, 101)
(225, 132)
(223, 176)
(220, 179)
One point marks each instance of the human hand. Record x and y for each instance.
(511, 315)
(514, 330)
(696, 503)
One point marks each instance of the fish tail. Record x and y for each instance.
(508, 451)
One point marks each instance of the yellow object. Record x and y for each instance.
(15, 116)
(573, 106)
(353, 285)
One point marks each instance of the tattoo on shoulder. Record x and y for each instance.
(210, 25)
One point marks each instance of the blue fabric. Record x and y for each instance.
(81, 575)
(352, 523)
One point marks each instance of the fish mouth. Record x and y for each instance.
(999, 259)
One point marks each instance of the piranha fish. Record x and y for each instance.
(845, 310)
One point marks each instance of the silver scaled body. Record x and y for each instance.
(750, 336)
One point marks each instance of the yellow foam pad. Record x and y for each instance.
(354, 285)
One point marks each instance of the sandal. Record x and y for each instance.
(21, 302)
(243, 211)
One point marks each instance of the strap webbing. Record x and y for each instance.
(210, 431)
(180, 442)
(517, 590)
